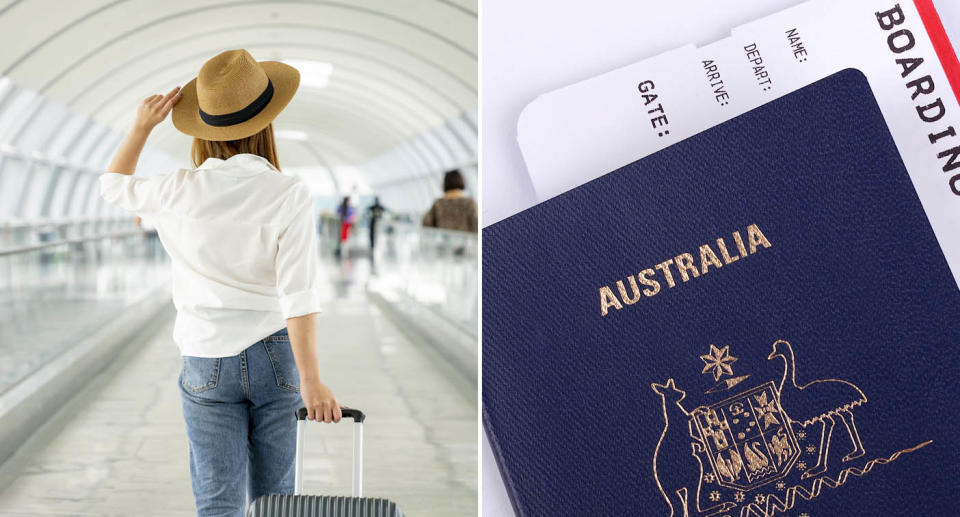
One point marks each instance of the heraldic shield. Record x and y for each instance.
(747, 440)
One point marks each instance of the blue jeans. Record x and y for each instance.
(241, 426)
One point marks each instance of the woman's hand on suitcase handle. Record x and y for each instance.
(317, 398)
(321, 405)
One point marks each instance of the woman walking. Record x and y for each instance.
(375, 211)
(455, 210)
(245, 277)
(347, 217)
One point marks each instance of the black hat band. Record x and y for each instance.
(245, 114)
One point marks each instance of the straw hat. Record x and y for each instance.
(234, 96)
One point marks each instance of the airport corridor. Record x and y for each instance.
(363, 116)
(120, 446)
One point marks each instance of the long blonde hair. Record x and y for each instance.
(261, 144)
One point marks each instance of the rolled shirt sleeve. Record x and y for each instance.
(298, 270)
(136, 194)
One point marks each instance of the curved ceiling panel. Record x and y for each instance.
(400, 68)
(366, 77)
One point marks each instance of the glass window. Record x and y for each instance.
(462, 152)
(470, 176)
(70, 198)
(13, 172)
(466, 125)
(42, 125)
(421, 193)
(96, 206)
(62, 136)
(443, 150)
(104, 150)
(78, 202)
(38, 179)
(61, 192)
(89, 137)
(418, 163)
(17, 108)
(433, 162)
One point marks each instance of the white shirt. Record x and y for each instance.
(243, 246)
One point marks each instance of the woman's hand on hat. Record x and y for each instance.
(155, 108)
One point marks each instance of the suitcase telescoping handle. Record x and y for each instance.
(358, 418)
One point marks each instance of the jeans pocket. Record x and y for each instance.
(284, 364)
(199, 374)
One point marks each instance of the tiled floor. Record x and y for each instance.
(125, 452)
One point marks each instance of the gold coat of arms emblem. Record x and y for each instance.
(764, 450)
(746, 439)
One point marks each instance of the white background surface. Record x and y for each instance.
(532, 47)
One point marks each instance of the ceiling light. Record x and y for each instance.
(313, 74)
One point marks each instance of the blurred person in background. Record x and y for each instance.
(348, 215)
(455, 210)
(246, 279)
(374, 212)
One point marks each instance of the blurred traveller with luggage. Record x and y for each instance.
(348, 216)
(246, 278)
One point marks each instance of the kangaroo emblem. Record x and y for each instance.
(676, 482)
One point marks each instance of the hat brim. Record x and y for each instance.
(186, 112)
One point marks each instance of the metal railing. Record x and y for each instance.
(16, 234)
(77, 240)
(55, 291)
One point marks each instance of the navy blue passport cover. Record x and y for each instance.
(810, 373)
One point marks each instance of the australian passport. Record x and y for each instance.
(755, 321)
